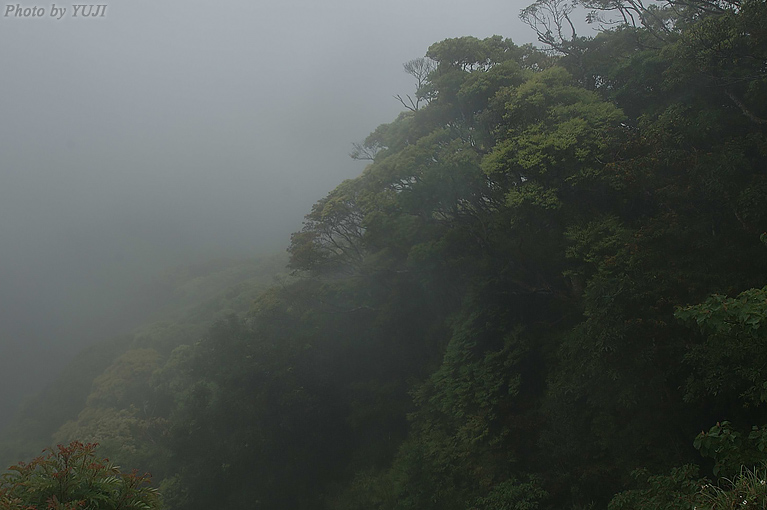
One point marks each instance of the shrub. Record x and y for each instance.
(72, 478)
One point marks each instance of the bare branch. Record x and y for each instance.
(364, 152)
(548, 18)
(420, 69)
(743, 108)
(413, 106)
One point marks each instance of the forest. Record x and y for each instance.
(546, 290)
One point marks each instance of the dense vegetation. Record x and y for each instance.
(548, 280)
(72, 477)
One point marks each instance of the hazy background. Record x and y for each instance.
(168, 132)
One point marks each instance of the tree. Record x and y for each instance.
(418, 68)
(331, 240)
(552, 23)
(72, 477)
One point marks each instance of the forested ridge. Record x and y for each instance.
(547, 282)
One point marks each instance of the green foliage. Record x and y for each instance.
(72, 477)
(512, 495)
(731, 449)
(370, 490)
(585, 202)
(680, 490)
(457, 427)
(41, 415)
(683, 490)
(730, 362)
(747, 490)
(720, 315)
(121, 393)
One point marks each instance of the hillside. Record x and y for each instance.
(187, 299)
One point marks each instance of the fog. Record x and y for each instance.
(163, 133)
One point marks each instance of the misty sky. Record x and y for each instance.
(165, 132)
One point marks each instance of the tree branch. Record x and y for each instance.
(743, 108)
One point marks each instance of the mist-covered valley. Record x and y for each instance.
(162, 135)
(538, 281)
